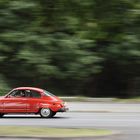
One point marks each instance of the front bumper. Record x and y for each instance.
(63, 109)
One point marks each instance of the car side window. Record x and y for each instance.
(33, 94)
(28, 93)
(14, 93)
(18, 93)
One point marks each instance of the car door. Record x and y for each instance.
(33, 101)
(1, 105)
(15, 102)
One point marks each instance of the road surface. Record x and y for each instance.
(127, 122)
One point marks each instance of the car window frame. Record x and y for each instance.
(10, 92)
(18, 90)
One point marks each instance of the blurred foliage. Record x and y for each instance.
(71, 47)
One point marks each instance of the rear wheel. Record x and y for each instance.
(1, 115)
(46, 113)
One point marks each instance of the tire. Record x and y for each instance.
(46, 113)
(1, 115)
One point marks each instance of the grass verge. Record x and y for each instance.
(89, 99)
(128, 100)
(50, 132)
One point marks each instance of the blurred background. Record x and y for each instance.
(76, 47)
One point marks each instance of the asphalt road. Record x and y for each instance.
(127, 123)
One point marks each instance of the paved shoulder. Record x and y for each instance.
(103, 107)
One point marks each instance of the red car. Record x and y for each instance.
(31, 100)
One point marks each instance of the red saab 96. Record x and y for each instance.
(31, 100)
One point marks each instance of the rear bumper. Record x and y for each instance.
(63, 109)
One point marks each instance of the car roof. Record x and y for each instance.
(29, 88)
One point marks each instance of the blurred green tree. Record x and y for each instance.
(72, 47)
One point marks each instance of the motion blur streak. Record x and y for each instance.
(74, 47)
(71, 47)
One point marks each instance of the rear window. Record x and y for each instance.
(35, 94)
(47, 93)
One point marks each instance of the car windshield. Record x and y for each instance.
(47, 93)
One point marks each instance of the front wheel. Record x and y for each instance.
(46, 113)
